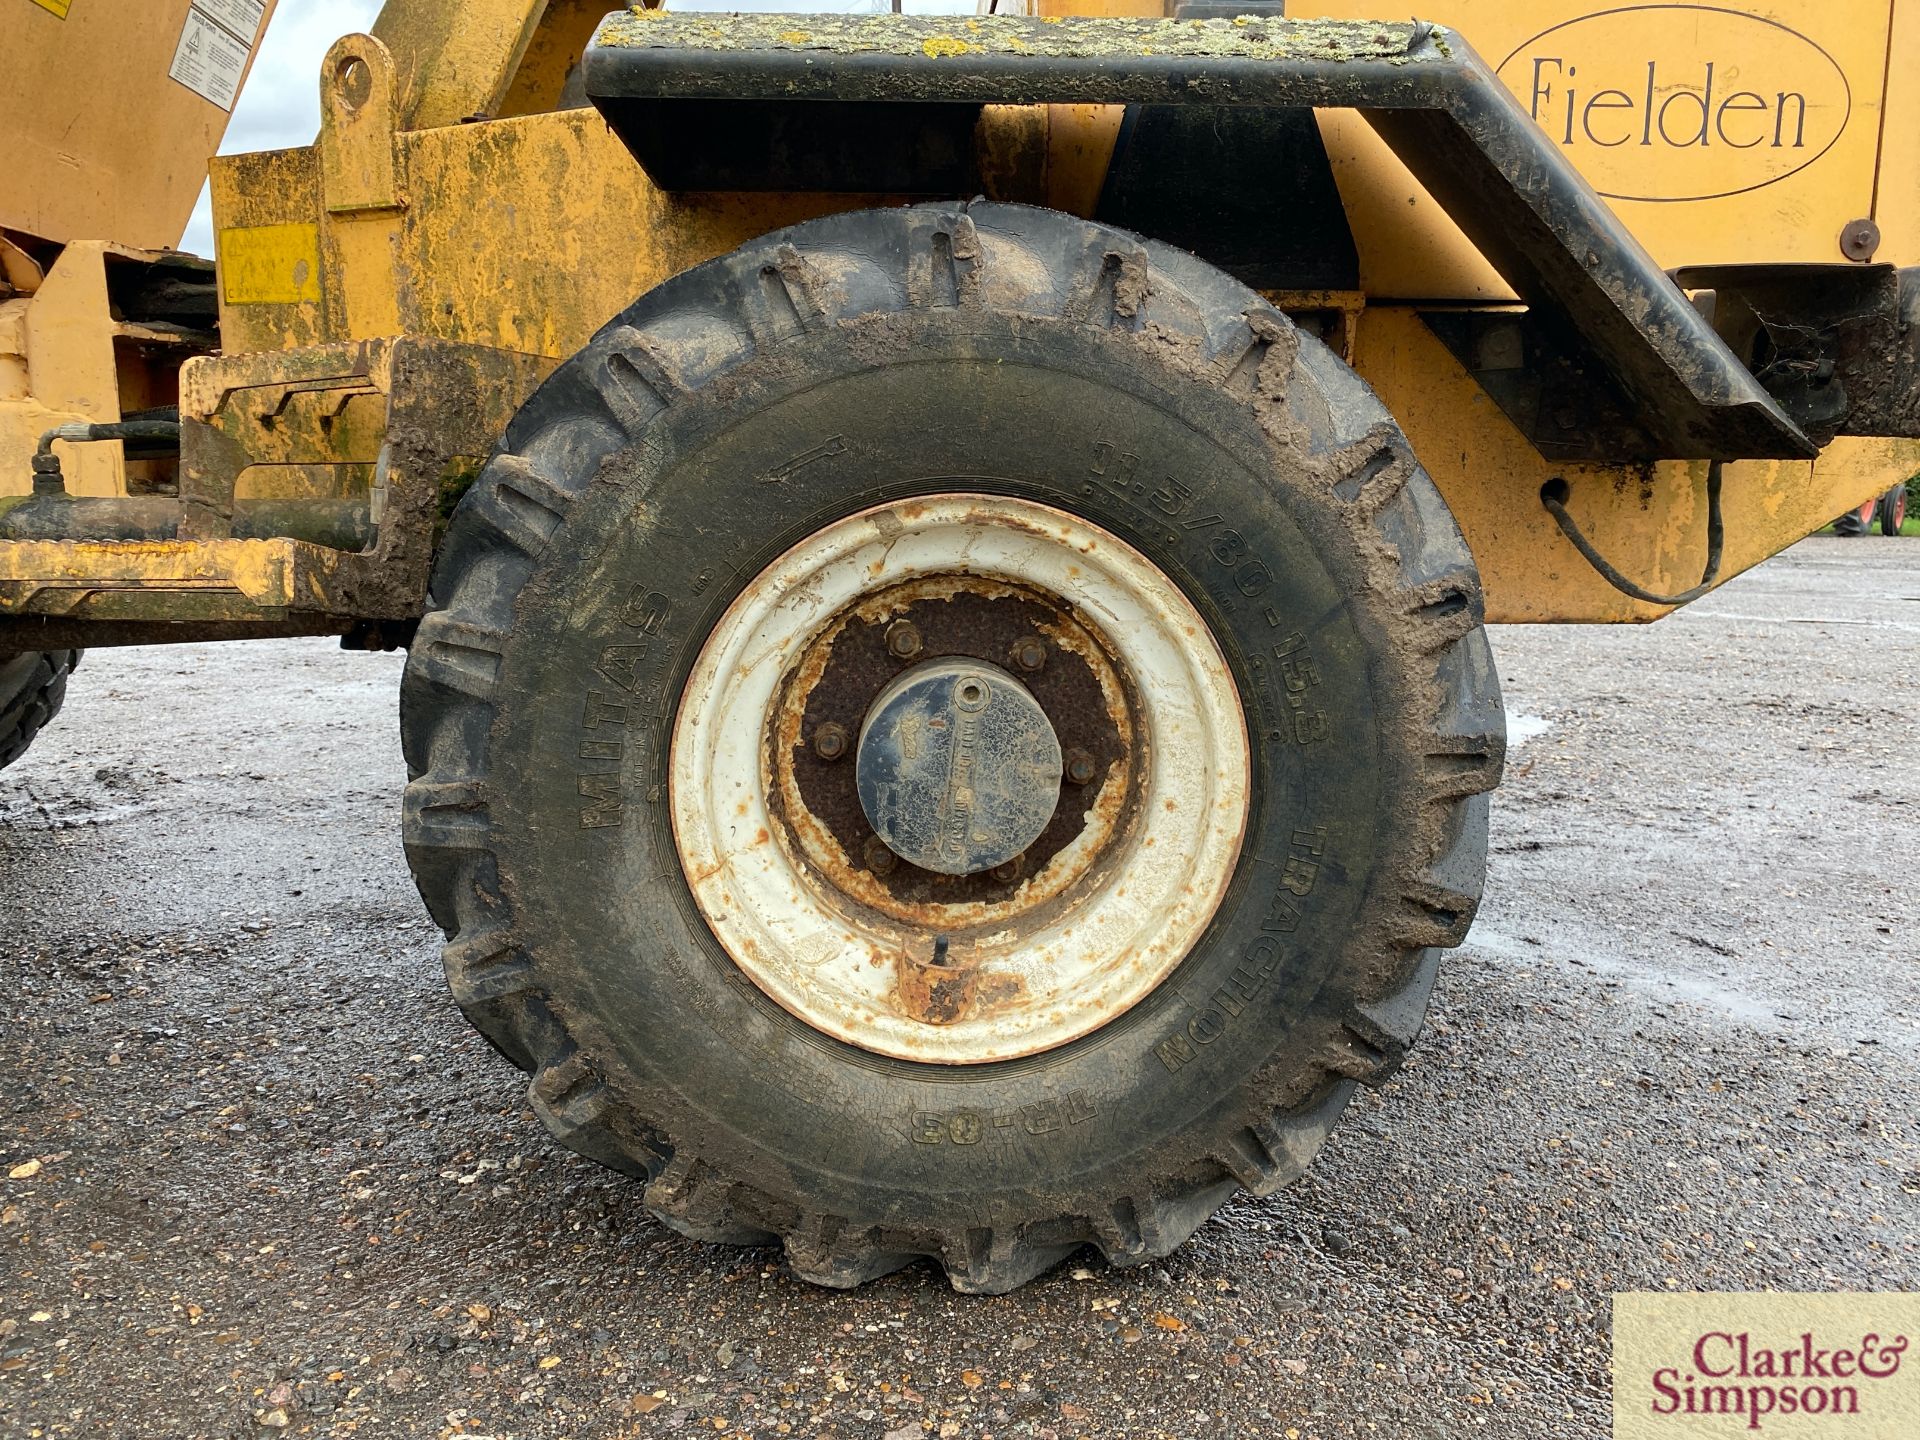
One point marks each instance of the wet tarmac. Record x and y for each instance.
(257, 1176)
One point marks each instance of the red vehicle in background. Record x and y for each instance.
(1889, 511)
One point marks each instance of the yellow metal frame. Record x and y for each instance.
(415, 417)
(446, 200)
(1649, 520)
(64, 359)
(101, 141)
(100, 172)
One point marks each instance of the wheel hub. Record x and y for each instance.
(1041, 811)
(830, 694)
(959, 768)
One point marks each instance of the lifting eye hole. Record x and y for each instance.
(353, 78)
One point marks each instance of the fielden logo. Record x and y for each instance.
(1798, 1367)
(1681, 102)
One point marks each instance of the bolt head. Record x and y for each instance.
(1009, 871)
(1080, 768)
(1859, 239)
(1030, 653)
(830, 741)
(903, 640)
(879, 859)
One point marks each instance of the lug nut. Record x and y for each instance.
(1030, 653)
(880, 860)
(1080, 767)
(830, 741)
(1009, 870)
(903, 641)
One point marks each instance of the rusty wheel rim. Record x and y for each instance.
(1005, 962)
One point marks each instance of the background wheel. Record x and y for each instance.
(692, 872)
(1893, 510)
(32, 688)
(1857, 522)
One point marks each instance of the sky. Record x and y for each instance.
(280, 105)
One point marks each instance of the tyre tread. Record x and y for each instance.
(33, 687)
(1423, 579)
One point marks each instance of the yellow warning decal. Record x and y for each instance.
(57, 7)
(269, 264)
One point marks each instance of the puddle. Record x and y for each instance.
(1522, 728)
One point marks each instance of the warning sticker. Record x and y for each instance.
(240, 17)
(269, 264)
(58, 7)
(209, 60)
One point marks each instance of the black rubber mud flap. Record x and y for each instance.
(33, 686)
(886, 354)
(1180, 174)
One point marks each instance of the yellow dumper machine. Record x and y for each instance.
(944, 558)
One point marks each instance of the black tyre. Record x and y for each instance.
(1014, 356)
(1858, 521)
(32, 688)
(1892, 510)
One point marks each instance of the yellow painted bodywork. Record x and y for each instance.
(1649, 520)
(456, 60)
(226, 579)
(488, 259)
(307, 422)
(447, 198)
(56, 368)
(1732, 202)
(65, 359)
(99, 142)
(105, 154)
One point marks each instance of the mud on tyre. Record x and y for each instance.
(880, 365)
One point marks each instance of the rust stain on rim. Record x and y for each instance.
(827, 850)
(1063, 954)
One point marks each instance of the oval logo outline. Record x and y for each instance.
(1846, 91)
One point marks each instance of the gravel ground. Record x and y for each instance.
(264, 1178)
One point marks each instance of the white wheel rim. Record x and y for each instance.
(846, 968)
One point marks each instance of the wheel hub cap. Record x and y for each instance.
(959, 768)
